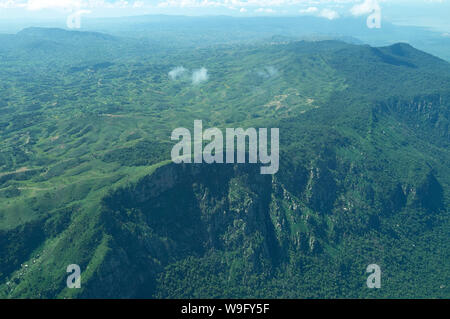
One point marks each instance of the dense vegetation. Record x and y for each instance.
(85, 123)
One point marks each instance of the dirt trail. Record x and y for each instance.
(20, 170)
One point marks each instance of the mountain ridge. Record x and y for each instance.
(363, 168)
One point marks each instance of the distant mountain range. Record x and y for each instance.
(182, 31)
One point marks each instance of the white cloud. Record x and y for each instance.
(36, 5)
(366, 7)
(199, 76)
(7, 4)
(309, 10)
(176, 72)
(247, 3)
(265, 10)
(371, 7)
(52, 4)
(329, 14)
(138, 4)
(324, 13)
(46, 4)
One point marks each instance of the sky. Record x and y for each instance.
(429, 13)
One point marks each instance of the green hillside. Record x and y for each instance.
(86, 177)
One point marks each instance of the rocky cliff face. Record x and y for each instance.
(235, 213)
(187, 210)
(426, 115)
(195, 210)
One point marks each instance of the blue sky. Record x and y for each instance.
(432, 13)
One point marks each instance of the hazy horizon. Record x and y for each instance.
(422, 13)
